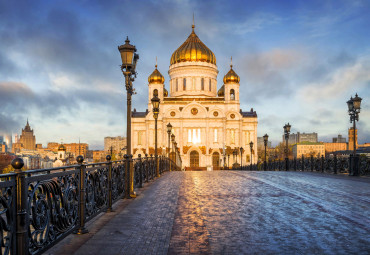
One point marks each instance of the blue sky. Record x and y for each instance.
(299, 62)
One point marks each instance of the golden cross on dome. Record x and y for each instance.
(156, 62)
(193, 26)
(231, 62)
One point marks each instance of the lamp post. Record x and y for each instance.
(228, 160)
(173, 146)
(169, 130)
(265, 140)
(251, 147)
(155, 102)
(241, 158)
(286, 133)
(129, 60)
(234, 155)
(354, 107)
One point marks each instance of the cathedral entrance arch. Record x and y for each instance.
(215, 159)
(194, 159)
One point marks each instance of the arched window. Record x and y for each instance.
(155, 92)
(177, 84)
(184, 84)
(216, 159)
(202, 84)
(210, 85)
(232, 94)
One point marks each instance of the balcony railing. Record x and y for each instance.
(40, 207)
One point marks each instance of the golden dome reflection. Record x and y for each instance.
(193, 49)
(156, 77)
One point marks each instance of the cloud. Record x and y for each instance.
(339, 81)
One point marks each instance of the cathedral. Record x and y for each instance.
(207, 122)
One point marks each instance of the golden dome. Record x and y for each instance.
(193, 49)
(221, 91)
(231, 76)
(165, 92)
(156, 77)
(61, 148)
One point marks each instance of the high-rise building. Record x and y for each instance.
(339, 139)
(351, 137)
(261, 143)
(116, 144)
(27, 138)
(301, 137)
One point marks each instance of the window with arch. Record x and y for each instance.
(177, 84)
(210, 85)
(202, 84)
(155, 92)
(232, 94)
(184, 84)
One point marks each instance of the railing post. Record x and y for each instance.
(302, 163)
(335, 164)
(82, 190)
(22, 215)
(140, 172)
(322, 163)
(146, 168)
(108, 158)
(127, 177)
(311, 163)
(152, 167)
(295, 164)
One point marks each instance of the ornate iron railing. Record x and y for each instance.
(322, 164)
(40, 207)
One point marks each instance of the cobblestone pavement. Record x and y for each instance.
(234, 212)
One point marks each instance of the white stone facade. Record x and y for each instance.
(203, 122)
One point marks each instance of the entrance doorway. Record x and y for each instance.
(215, 159)
(194, 159)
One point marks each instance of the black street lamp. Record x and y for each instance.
(169, 130)
(265, 140)
(228, 160)
(173, 147)
(354, 107)
(251, 147)
(286, 133)
(155, 102)
(241, 158)
(129, 60)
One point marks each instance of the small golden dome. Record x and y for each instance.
(156, 77)
(193, 49)
(221, 91)
(231, 76)
(61, 148)
(165, 92)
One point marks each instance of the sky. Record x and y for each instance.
(298, 62)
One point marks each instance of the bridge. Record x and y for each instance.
(195, 212)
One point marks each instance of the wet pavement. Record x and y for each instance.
(234, 212)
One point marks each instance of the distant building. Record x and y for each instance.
(99, 156)
(308, 149)
(3, 148)
(301, 137)
(335, 146)
(351, 137)
(116, 144)
(27, 138)
(75, 149)
(339, 139)
(261, 143)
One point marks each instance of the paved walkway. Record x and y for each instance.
(232, 212)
